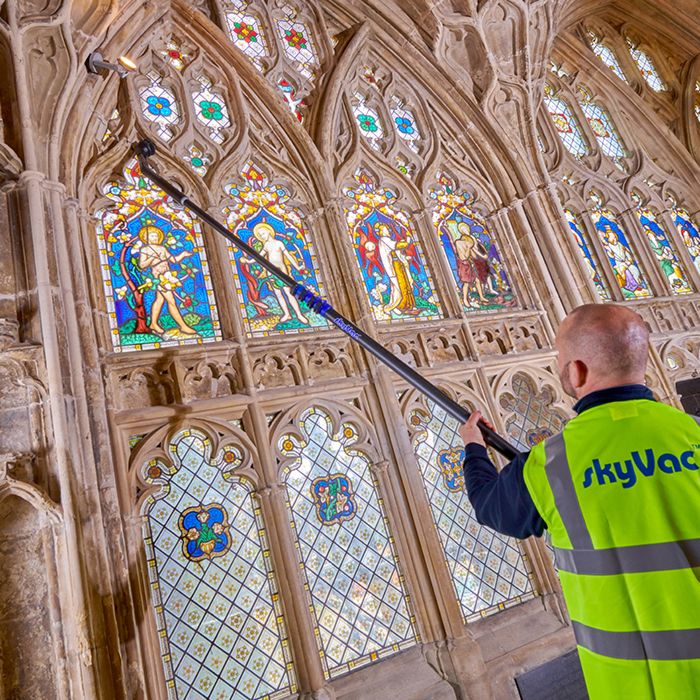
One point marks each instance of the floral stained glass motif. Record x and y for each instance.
(697, 99)
(368, 120)
(625, 266)
(646, 67)
(587, 255)
(471, 250)
(297, 44)
(488, 570)
(405, 124)
(154, 268)
(159, 105)
(246, 33)
(689, 233)
(358, 598)
(215, 596)
(397, 281)
(606, 55)
(211, 109)
(199, 161)
(664, 252)
(290, 97)
(175, 55)
(602, 125)
(565, 123)
(260, 214)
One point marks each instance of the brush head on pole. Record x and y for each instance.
(145, 148)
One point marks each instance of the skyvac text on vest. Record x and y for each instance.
(640, 464)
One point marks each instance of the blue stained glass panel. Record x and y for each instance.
(689, 234)
(587, 255)
(159, 105)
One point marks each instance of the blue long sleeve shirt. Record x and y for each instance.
(501, 500)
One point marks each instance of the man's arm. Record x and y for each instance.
(500, 500)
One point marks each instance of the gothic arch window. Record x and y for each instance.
(606, 55)
(405, 123)
(477, 266)
(565, 123)
(210, 108)
(358, 598)
(215, 597)
(687, 230)
(662, 248)
(368, 119)
(397, 281)
(616, 244)
(588, 255)
(646, 66)
(488, 570)
(260, 214)
(246, 32)
(601, 124)
(154, 269)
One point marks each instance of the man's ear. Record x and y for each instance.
(578, 373)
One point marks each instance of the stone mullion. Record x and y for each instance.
(669, 225)
(283, 550)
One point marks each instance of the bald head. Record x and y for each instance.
(600, 346)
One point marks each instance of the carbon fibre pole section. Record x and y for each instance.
(146, 148)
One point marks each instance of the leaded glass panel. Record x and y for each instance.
(289, 94)
(397, 281)
(215, 596)
(606, 55)
(601, 124)
(297, 43)
(488, 569)
(587, 255)
(368, 120)
(646, 67)
(211, 110)
(696, 97)
(154, 268)
(689, 233)
(475, 261)
(199, 160)
(664, 252)
(615, 242)
(358, 598)
(175, 55)
(565, 123)
(159, 105)
(405, 124)
(246, 32)
(260, 214)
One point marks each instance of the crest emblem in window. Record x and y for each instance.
(450, 462)
(205, 532)
(333, 498)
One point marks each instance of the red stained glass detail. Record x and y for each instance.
(245, 32)
(295, 40)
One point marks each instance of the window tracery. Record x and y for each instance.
(606, 55)
(588, 256)
(358, 599)
(368, 120)
(246, 32)
(297, 42)
(565, 123)
(646, 66)
(210, 108)
(405, 123)
(601, 123)
(215, 596)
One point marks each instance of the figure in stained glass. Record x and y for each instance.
(587, 255)
(261, 216)
(471, 250)
(155, 272)
(388, 253)
(689, 234)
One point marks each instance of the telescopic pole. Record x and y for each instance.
(146, 148)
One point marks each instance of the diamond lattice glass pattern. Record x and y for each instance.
(602, 126)
(646, 67)
(689, 234)
(565, 123)
(606, 55)
(488, 569)
(211, 109)
(297, 44)
(587, 255)
(246, 33)
(352, 572)
(159, 105)
(215, 597)
(405, 124)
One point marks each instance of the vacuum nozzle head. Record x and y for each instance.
(145, 148)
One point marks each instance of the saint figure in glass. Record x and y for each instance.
(587, 255)
(688, 232)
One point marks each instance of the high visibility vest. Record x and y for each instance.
(619, 490)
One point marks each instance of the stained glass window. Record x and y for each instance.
(159, 105)
(211, 109)
(368, 120)
(646, 67)
(404, 167)
(389, 255)
(587, 254)
(215, 596)
(488, 570)
(475, 261)
(697, 100)
(199, 160)
(289, 94)
(615, 242)
(246, 32)
(565, 123)
(602, 125)
(405, 124)
(260, 214)
(175, 55)
(606, 55)
(297, 43)
(688, 232)
(154, 268)
(662, 249)
(358, 598)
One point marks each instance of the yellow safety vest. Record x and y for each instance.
(619, 490)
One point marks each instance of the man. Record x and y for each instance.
(619, 492)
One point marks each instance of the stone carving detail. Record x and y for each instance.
(493, 337)
(208, 380)
(671, 316)
(143, 386)
(429, 348)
